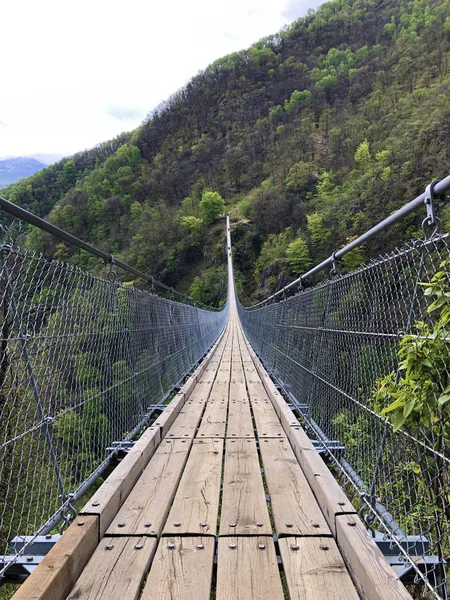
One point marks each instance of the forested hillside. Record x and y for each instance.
(311, 136)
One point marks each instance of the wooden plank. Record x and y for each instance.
(145, 510)
(170, 413)
(240, 424)
(57, 573)
(328, 493)
(247, 569)
(214, 418)
(266, 420)
(113, 492)
(116, 570)
(181, 569)
(186, 423)
(373, 576)
(294, 508)
(315, 569)
(244, 500)
(196, 504)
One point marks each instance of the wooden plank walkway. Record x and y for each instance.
(223, 497)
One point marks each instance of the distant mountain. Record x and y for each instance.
(13, 169)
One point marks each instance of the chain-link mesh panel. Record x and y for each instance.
(83, 362)
(365, 357)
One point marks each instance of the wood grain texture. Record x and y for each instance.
(183, 572)
(266, 420)
(328, 493)
(196, 503)
(145, 510)
(214, 419)
(57, 573)
(240, 422)
(315, 570)
(374, 578)
(248, 571)
(243, 500)
(115, 573)
(186, 423)
(113, 492)
(294, 508)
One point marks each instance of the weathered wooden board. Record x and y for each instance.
(315, 569)
(240, 424)
(374, 578)
(56, 575)
(145, 510)
(244, 507)
(196, 503)
(113, 492)
(214, 418)
(266, 420)
(247, 569)
(116, 570)
(181, 569)
(186, 423)
(170, 413)
(294, 508)
(328, 493)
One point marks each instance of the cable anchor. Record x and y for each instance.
(112, 273)
(431, 220)
(334, 268)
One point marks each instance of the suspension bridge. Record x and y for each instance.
(241, 451)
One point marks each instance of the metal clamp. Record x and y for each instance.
(112, 273)
(68, 513)
(431, 219)
(334, 269)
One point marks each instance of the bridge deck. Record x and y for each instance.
(224, 468)
(223, 497)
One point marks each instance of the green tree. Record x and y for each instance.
(297, 256)
(211, 205)
(191, 227)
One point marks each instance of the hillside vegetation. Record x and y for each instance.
(311, 136)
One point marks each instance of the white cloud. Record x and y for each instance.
(77, 74)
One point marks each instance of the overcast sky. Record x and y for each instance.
(74, 74)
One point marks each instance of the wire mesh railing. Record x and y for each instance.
(365, 359)
(84, 362)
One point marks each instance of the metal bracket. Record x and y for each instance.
(33, 554)
(431, 219)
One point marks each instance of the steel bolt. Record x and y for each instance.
(139, 546)
(259, 524)
(341, 503)
(352, 524)
(232, 524)
(200, 546)
(316, 525)
(121, 524)
(293, 547)
(80, 523)
(176, 524)
(261, 546)
(29, 558)
(171, 545)
(95, 503)
(323, 547)
(232, 546)
(109, 547)
(48, 536)
(147, 524)
(203, 524)
(288, 524)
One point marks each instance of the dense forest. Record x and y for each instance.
(310, 136)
